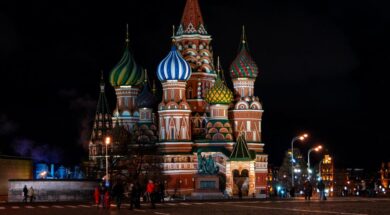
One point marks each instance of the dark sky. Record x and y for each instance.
(323, 69)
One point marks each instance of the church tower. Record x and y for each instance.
(247, 112)
(146, 129)
(126, 77)
(193, 42)
(102, 128)
(219, 97)
(174, 111)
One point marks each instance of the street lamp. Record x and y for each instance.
(108, 140)
(301, 137)
(318, 148)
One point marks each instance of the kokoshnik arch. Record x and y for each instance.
(198, 114)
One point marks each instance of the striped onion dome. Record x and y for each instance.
(243, 66)
(219, 93)
(126, 72)
(173, 67)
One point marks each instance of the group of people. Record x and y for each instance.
(150, 193)
(28, 194)
(308, 190)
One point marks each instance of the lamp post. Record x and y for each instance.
(308, 159)
(108, 140)
(302, 137)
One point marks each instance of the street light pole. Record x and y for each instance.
(302, 137)
(108, 139)
(308, 158)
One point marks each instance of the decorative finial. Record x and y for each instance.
(146, 76)
(243, 34)
(101, 81)
(154, 87)
(173, 33)
(218, 64)
(127, 34)
(219, 69)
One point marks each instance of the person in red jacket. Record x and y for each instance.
(107, 199)
(150, 191)
(97, 195)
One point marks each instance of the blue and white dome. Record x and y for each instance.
(173, 67)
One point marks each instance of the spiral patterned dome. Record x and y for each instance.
(243, 66)
(173, 67)
(219, 93)
(126, 72)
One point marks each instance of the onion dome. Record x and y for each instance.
(126, 72)
(146, 99)
(219, 93)
(243, 65)
(173, 67)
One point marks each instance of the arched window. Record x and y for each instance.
(244, 173)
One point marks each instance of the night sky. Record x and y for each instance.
(323, 68)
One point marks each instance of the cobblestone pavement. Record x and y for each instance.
(343, 206)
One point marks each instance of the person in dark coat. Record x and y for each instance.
(25, 192)
(307, 189)
(162, 191)
(137, 194)
(118, 191)
(102, 193)
(321, 188)
(240, 193)
(292, 192)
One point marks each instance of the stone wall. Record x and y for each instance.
(53, 190)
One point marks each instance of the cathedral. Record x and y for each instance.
(198, 116)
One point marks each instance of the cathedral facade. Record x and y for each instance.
(197, 116)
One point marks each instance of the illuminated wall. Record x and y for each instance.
(13, 168)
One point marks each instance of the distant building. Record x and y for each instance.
(13, 168)
(385, 174)
(327, 173)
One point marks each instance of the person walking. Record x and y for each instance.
(150, 192)
(131, 195)
(102, 193)
(96, 195)
(107, 199)
(25, 193)
(240, 193)
(118, 191)
(321, 188)
(292, 192)
(162, 191)
(31, 194)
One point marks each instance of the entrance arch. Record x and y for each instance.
(240, 181)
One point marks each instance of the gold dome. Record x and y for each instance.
(219, 93)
